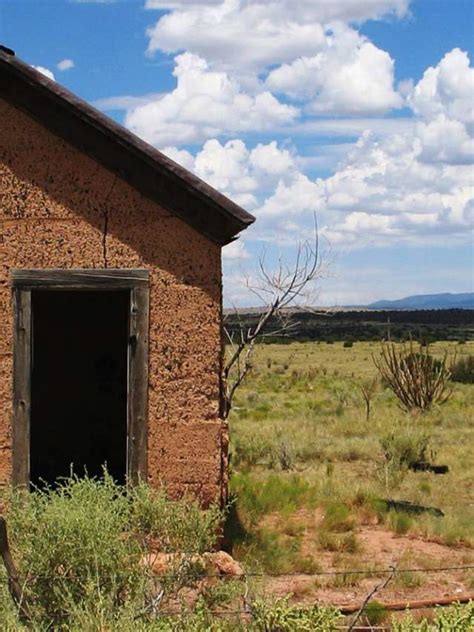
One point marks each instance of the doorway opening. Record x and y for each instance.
(79, 383)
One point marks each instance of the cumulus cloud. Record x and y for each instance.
(306, 46)
(204, 104)
(351, 76)
(446, 141)
(447, 88)
(383, 192)
(235, 250)
(65, 64)
(237, 171)
(45, 71)
(240, 55)
(239, 33)
(413, 185)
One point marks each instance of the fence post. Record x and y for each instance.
(13, 584)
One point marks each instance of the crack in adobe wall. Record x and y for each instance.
(73, 213)
(106, 222)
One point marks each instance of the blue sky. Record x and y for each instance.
(358, 110)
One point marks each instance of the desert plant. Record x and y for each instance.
(282, 456)
(416, 378)
(375, 613)
(368, 389)
(80, 549)
(284, 617)
(401, 450)
(456, 618)
(463, 370)
(405, 448)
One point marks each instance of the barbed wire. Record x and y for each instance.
(200, 575)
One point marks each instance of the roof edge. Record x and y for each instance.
(141, 165)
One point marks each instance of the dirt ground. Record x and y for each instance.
(382, 549)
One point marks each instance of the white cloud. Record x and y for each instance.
(126, 102)
(351, 76)
(445, 140)
(238, 33)
(235, 250)
(411, 186)
(446, 89)
(181, 156)
(237, 171)
(204, 104)
(406, 187)
(337, 127)
(45, 71)
(307, 47)
(272, 160)
(65, 64)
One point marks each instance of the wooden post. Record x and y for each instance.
(13, 584)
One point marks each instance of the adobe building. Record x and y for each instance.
(110, 299)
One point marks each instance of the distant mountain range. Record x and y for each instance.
(428, 301)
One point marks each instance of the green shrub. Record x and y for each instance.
(282, 617)
(400, 522)
(338, 518)
(463, 370)
(179, 526)
(457, 618)
(342, 543)
(69, 540)
(257, 496)
(401, 449)
(347, 344)
(405, 448)
(282, 456)
(375, 613)
(79, 546)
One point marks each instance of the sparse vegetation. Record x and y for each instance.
(327, 506)
(80, 548)
(308, 496)
(463, 370)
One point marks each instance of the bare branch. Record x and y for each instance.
(279, 291)
(374, 590)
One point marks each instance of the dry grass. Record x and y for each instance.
(302, 446)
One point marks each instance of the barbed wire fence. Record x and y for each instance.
(17, 584)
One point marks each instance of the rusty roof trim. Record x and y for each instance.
(145, 168)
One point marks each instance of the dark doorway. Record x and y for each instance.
(79, 378)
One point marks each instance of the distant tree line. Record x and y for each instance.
(424, 326)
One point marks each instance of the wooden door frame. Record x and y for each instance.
(137, 281)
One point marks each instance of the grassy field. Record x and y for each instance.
(309, 471)
(309, 475)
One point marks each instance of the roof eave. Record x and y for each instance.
(145, 168)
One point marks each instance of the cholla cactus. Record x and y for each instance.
(417, 378)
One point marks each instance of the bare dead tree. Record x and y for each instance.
(281, 291)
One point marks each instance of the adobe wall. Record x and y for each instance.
(61, 209)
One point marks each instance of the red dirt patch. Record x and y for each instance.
(380, 549)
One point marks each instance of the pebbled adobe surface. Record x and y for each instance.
(61, 209)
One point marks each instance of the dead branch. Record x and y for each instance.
(278, 290)
(374, 590)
